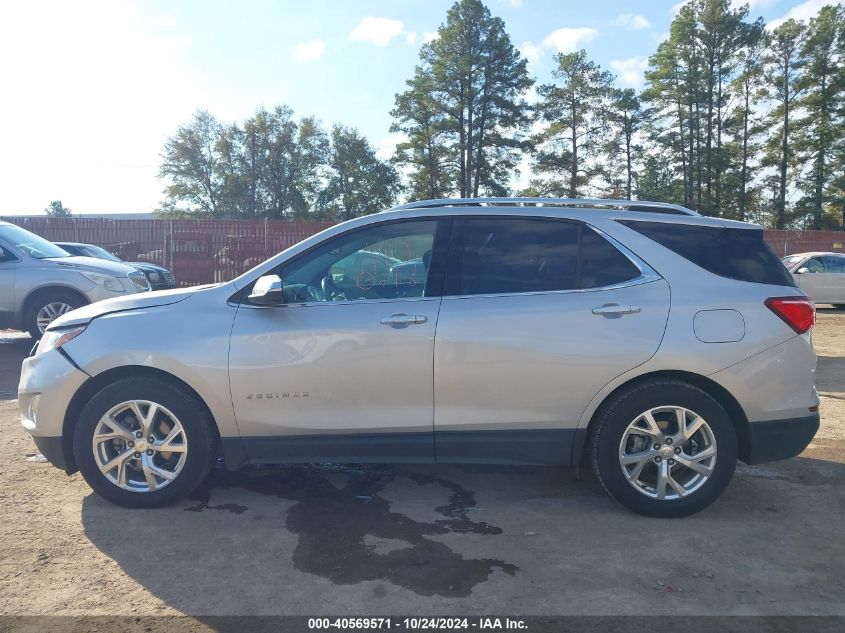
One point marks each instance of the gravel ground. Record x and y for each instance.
(421, 540)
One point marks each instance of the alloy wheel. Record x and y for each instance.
(50, 312)
(667, 452)
(140, 446)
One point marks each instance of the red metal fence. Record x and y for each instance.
(197, 251)
(205, 250)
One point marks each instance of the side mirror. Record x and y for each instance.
(267, 291)
(802, 271)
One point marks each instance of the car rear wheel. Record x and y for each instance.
(143, 442)
(48, 306)
(664, 448)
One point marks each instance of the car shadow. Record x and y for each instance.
(329, 538)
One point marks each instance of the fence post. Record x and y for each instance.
(75, 228)
(266, 238)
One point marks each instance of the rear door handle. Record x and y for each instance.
(615, 310)
(403, 320)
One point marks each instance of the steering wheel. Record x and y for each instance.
(330, 289)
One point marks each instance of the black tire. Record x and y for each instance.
(44, 298)
(624, 408)
(201, 440)
(839, 306)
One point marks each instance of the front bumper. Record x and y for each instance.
(779, 439)
(48, 382)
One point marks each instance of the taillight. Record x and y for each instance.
(799, 313)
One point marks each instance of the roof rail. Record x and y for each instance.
(628, 205)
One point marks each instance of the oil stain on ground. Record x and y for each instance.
(349, 534)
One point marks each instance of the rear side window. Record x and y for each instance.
(516, 255)
(512, 255)
(733, 253)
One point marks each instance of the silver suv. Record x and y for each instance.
(40, 282)
(658, 345)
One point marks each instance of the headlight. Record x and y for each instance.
(107, 282)
(140, 281)
(154, 276)
(54, 339)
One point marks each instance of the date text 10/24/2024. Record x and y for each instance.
(419, 623)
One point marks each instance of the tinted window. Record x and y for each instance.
(30, 243)
(834, 264)
(387, 261)
(734, 253)
(515, 255)
(601, 263)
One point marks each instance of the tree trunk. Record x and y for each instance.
(784, 156)
(743, 178)
(573, 175)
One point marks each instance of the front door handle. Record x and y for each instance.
(614, 310)
(403, 320)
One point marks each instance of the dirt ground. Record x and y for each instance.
(423, 540)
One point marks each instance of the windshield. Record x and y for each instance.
(30, 243)
(99, 253)
(791, 260)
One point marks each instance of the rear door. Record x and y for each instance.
(8, 262)
(529, 331)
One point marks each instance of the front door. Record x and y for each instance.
(530, 335)
(343, 371)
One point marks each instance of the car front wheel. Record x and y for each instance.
(143, 442)
(664, 448)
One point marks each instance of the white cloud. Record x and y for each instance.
(531, 52)
(630, 70)
(378, 31)
(568, 40)
(411, 37)
(803, 11)
(430, 36)
(676, 8)
(631, 21)
(387, 144)
(753, 4)
(309, 51)
(515, 3)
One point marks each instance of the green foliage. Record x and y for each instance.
(358, 182)
(464, 110)
(57, 210)
(735, 120)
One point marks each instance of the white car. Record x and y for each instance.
(820, 275)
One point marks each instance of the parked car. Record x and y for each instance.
(40, 281)
(158, 277)
(655, 344)
(820, 275)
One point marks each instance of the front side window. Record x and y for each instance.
(388, 261)
(814, 265)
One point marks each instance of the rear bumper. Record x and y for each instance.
(779, 439)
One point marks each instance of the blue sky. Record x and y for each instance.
(92, 88)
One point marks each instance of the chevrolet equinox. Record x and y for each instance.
(657, 345)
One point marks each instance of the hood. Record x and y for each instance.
(137, 301)
(92, 265)
(148, 266)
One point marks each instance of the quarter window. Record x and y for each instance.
(602, 264)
